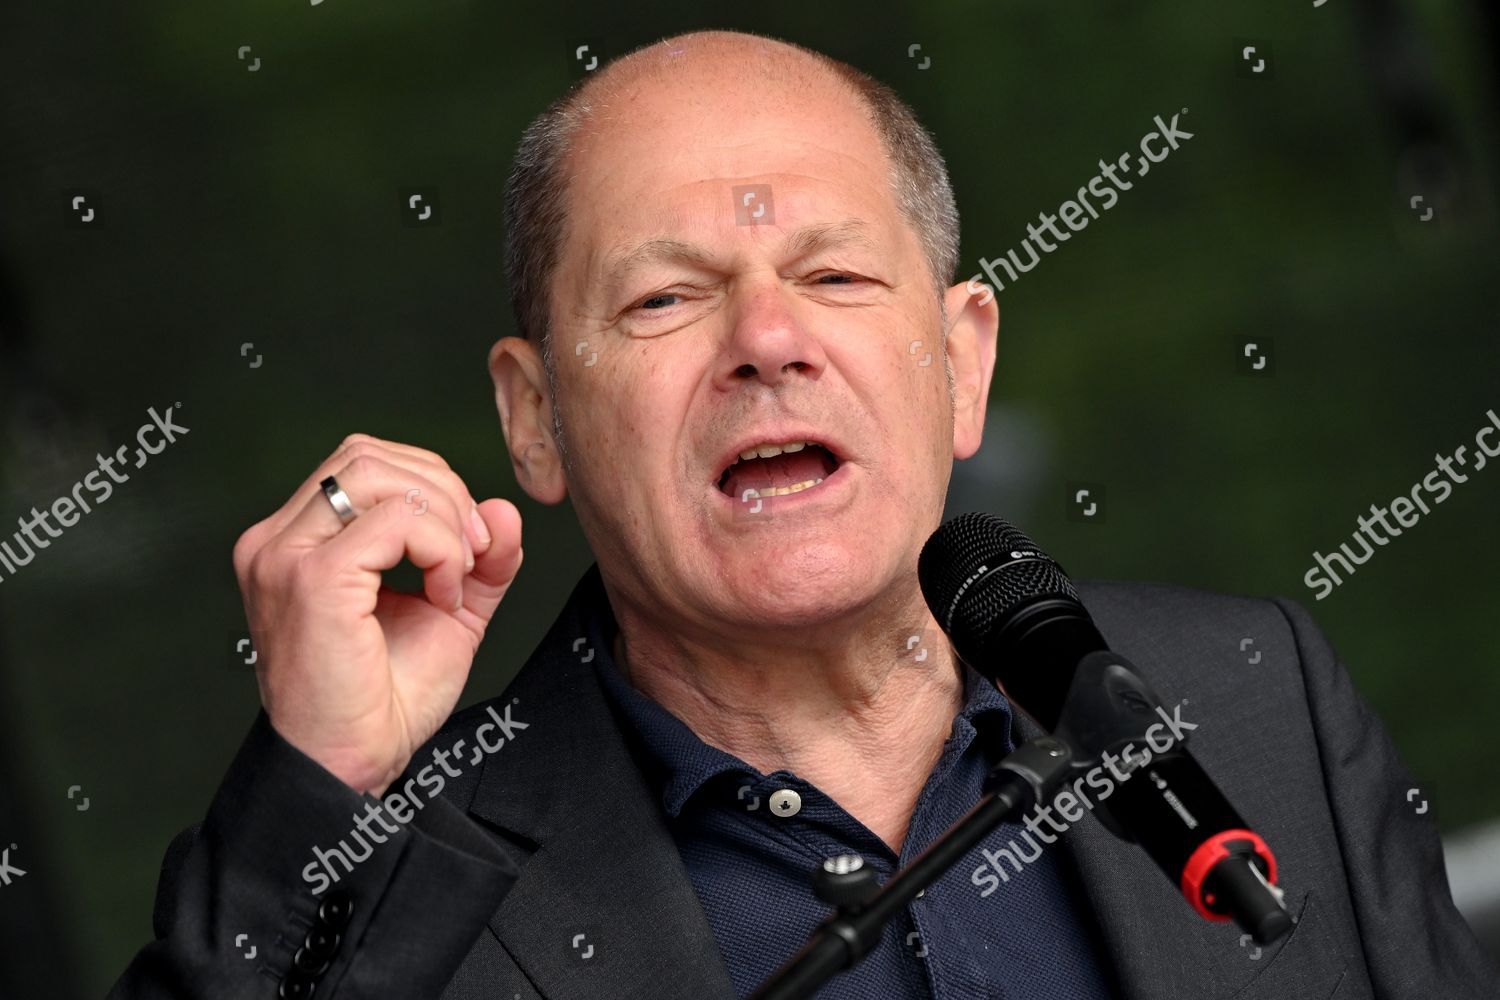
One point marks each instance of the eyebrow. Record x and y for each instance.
(802, 243)
(827, 235)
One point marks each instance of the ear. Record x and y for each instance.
(970, 338)
(525, 404)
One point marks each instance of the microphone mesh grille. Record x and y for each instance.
(954, 555)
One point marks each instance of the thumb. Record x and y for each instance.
(495, 569)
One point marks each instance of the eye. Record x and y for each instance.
(659, 301)
(837, 279)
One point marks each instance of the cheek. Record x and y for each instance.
(917, 369)
(901, 411)
(624, 423)
(923, 416)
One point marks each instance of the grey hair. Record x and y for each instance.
(536, 193)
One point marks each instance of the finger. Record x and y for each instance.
(474, 525)
(421, 461)
(369, 481)
(352, 447)
(411, 450)
(432, 465)
(379, 538)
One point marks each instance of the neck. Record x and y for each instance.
(853, 712)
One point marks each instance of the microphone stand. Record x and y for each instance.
(1028, 775)
(1106, 705)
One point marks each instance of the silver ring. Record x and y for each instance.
(338, 499)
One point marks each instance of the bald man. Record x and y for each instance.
(722, 249)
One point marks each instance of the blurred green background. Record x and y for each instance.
(261, 207)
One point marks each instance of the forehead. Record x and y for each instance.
(665, 150)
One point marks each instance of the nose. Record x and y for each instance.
(769, 342)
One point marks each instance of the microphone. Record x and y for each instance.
(1013, 615)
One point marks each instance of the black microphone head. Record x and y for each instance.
(980, 575)
(989, 551)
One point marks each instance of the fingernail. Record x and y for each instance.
(468, 554)
(479, 526)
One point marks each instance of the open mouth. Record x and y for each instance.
(777, 470)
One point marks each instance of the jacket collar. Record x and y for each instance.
(604, 865)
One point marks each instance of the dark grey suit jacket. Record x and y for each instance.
(556, 835)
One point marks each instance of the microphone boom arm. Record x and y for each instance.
(1028, 775)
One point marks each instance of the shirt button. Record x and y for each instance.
(786, 802)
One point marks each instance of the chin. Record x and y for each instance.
(809, 584)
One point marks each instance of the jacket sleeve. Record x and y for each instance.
(279, 893)
(1415, 942)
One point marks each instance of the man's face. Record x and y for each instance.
(686, 333)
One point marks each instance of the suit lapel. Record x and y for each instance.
(605, 866)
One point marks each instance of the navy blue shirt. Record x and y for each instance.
(749, 842)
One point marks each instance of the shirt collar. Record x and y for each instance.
(680, 763)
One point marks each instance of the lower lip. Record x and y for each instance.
(832, 488)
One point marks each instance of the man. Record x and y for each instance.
(722, 249)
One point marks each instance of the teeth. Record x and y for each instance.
(781, 491)
(772, 450)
